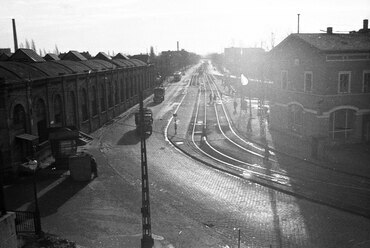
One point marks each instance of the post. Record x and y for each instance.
(2, 197)
(147, 240)
(37, 209)
(298, 23)
(239, 239)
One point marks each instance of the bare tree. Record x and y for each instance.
(27, 44)
(56, 50)
(40, 52)
(21, 45)
(33, 46)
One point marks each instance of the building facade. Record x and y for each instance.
(321, 89)
(37, 95)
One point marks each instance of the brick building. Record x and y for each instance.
(321, 90)
(37, 95)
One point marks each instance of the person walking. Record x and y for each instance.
(214, 98)
(94, 166)
(235, 106)
(210, 97)
(249, 125)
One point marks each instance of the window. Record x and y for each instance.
(284, 79)
(84, 105)
(344, 83)
(341, 124)
(58, 115)
(110, 94)
(19, 117)
(94, 102)
(102, 98)
(122, 91)
(116, 92)
(307, 81)
(366, 85)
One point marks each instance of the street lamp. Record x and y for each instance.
(33, 165)
(2, 197)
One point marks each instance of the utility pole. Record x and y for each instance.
(147, 240)
(298, 23)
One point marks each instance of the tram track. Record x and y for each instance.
(214, 137)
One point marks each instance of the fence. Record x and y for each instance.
(26, 222)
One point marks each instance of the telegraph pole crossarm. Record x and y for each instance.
(147, 240)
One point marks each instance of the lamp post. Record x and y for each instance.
(33, 165)
(2, 197)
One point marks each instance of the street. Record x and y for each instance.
(192, 204)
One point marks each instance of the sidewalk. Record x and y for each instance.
(348, 158)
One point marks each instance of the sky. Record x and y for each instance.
(200, 26)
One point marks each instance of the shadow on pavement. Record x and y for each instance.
(130, 138)
(57, 196)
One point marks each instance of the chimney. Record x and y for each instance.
(329, 30)
(15, 36)
(366, 25)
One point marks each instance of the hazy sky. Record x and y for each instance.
(201, 26)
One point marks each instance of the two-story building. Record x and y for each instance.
(321, 89)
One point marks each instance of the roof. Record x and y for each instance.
(51, 69)
(4, 56)
(137, 62)
(106, 64)
(75, 67)
(123, 63)
(51, 56)
(120, 56)
(103, 56)
(74, 56)
(353, 42)
(22, 70)
(26, 55)
(7, 75)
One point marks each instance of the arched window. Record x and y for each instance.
(296, 118)
(341, 124)
(116, 92)
(127, 82)
(102, 98)
(19, 117)
(122, 91)
(94, 101)
(41, 121)
(58, 110)
(84, 105)
(110, 94)
(71, 106)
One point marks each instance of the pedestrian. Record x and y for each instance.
(210, 97)
(249, 125)
(267, 153)
(214, 97)
(235, 106)
(94, 166)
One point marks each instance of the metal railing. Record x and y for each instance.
(26, 222)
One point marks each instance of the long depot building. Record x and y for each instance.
(41, 94)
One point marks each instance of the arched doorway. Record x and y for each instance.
(41, 120)
(58, 111)
(19, 118)
(72, 120)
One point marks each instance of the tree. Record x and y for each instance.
(33, 46)
(56, 50)
(27, 44)
(40, 52)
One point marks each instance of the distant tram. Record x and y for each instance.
(177, 76)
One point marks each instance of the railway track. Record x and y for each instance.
(214, 136)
